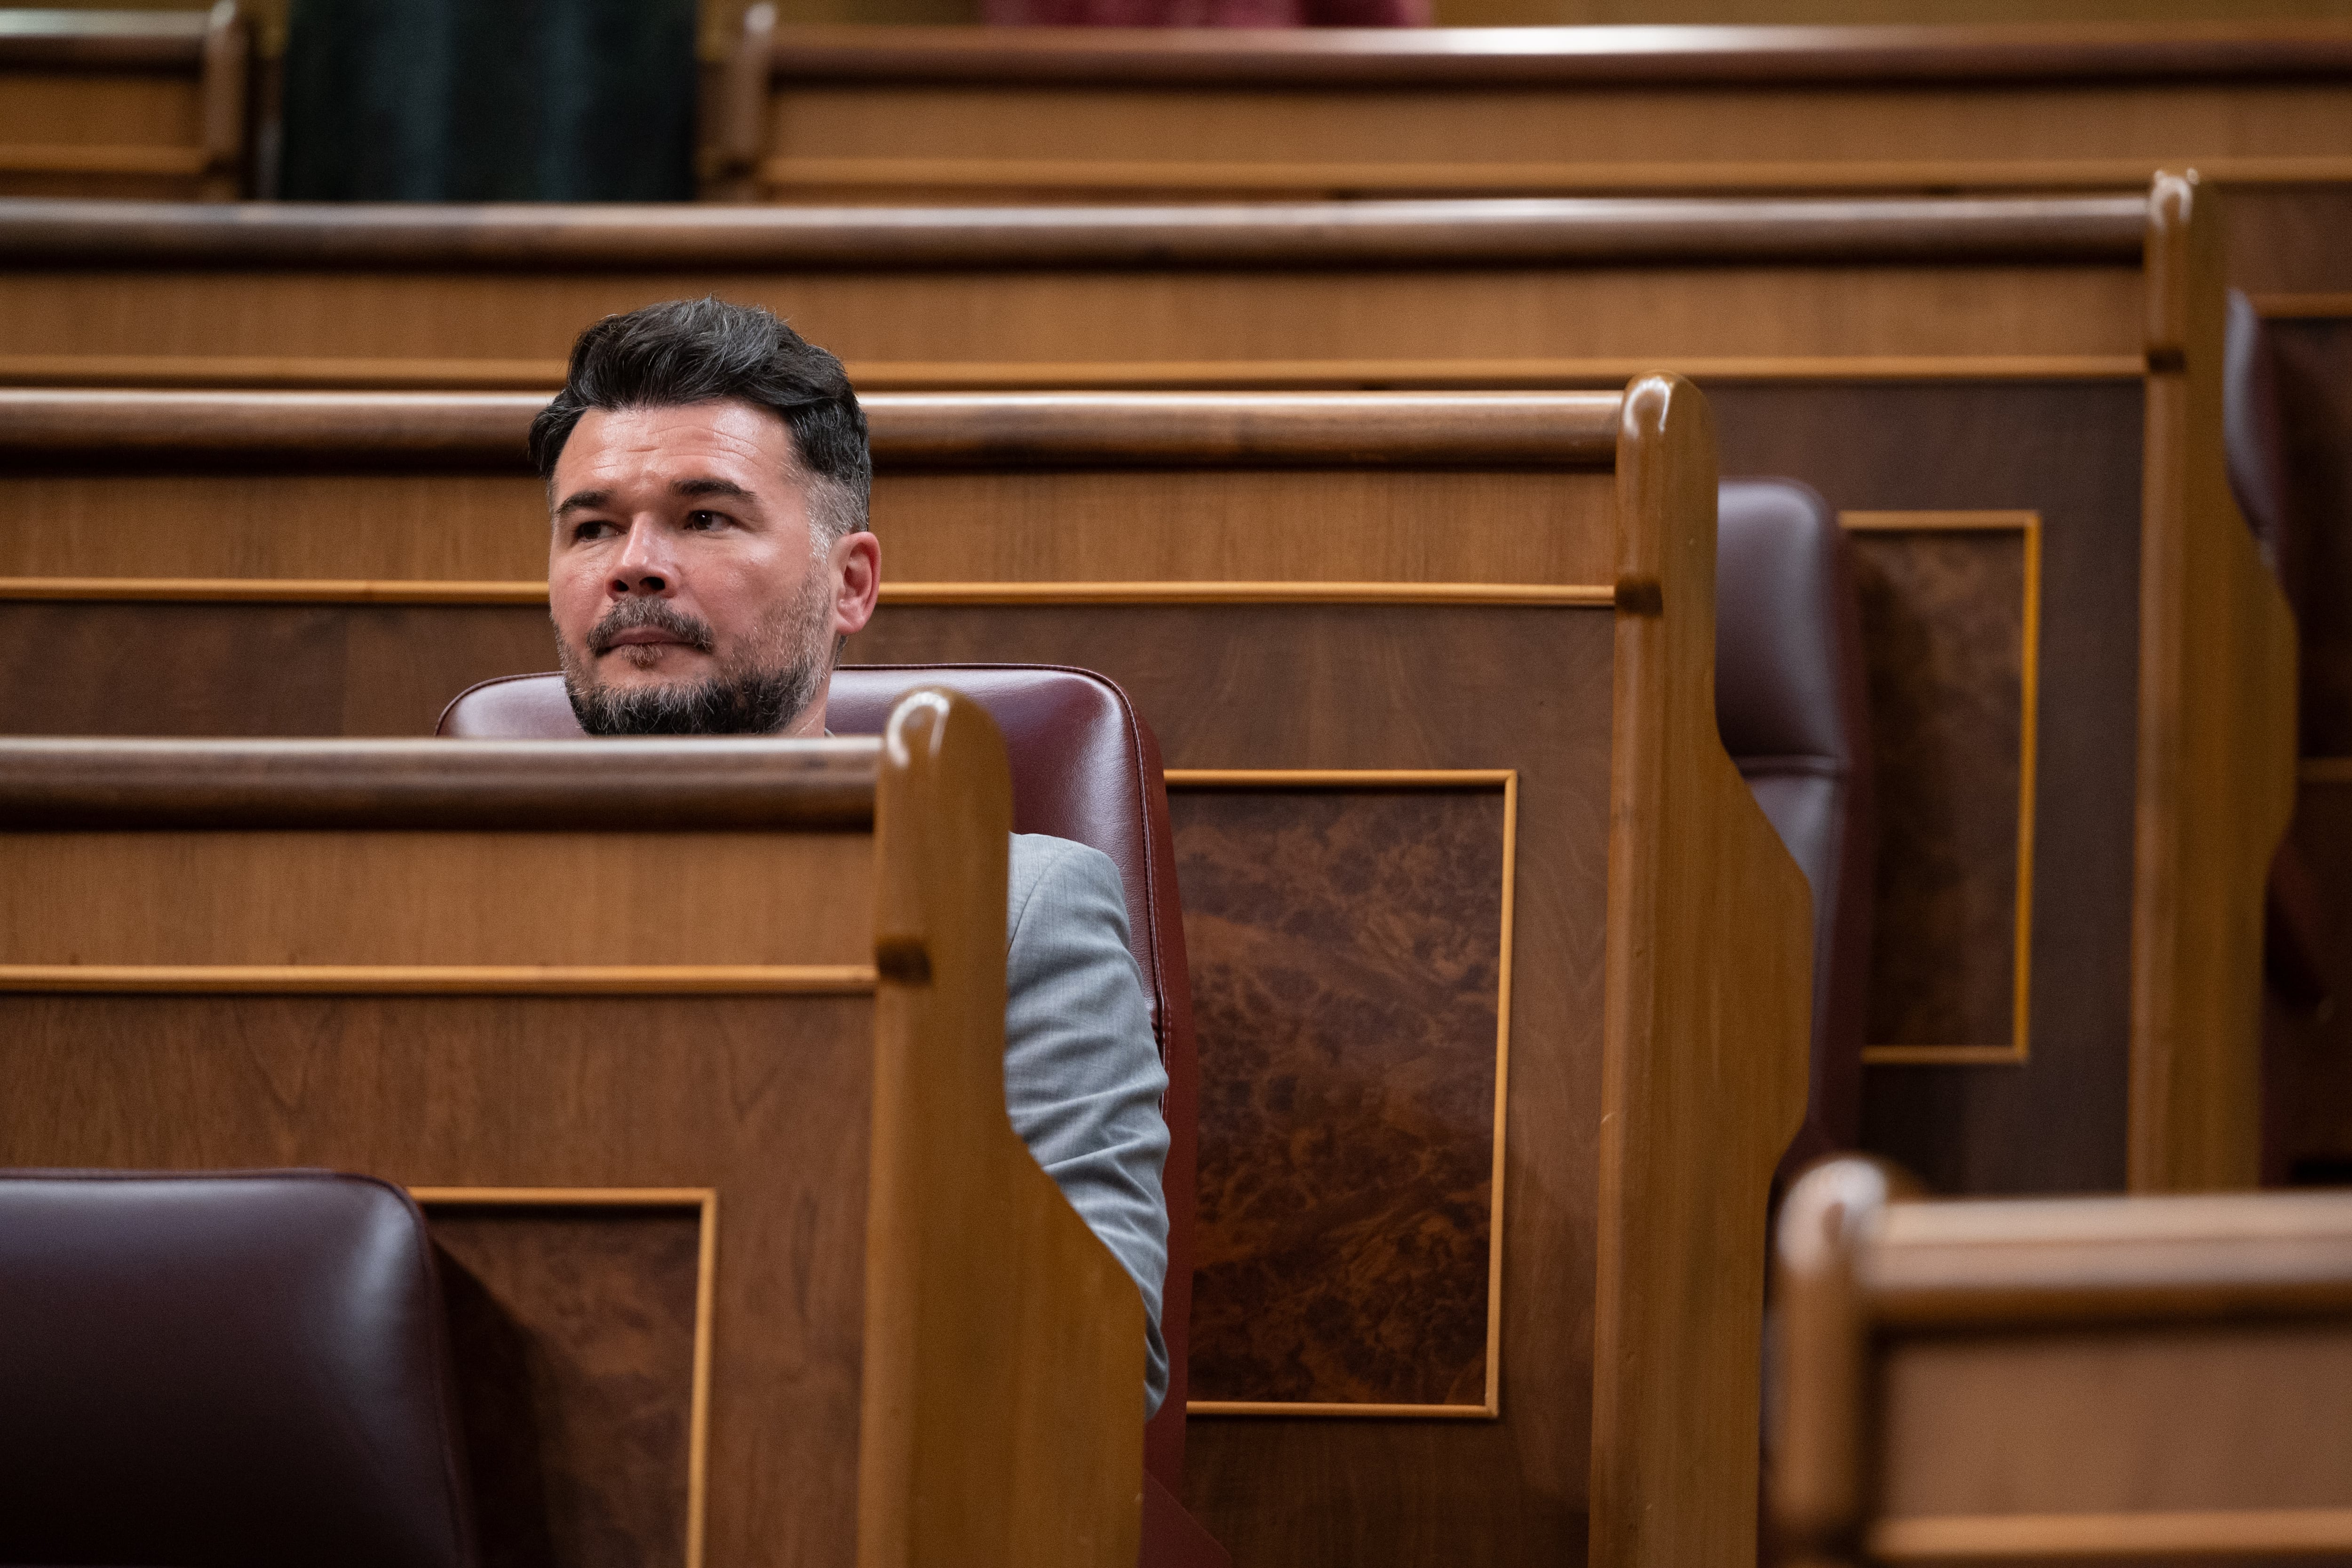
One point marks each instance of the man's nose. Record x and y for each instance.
(645, 566)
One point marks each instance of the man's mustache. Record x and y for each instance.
(630, 614)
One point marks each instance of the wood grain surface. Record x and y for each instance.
(1944, 616)
(573, 1330)
(1345, 956)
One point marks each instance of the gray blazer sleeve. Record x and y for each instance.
(1082, 1075)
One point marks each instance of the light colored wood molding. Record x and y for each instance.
(2215, 757)
(2298, 307)
(2020, 1049)
(1389, 1412)
(1505, 778)
(326, 590)
(1499, 176)
(2112, 1537)
(1942, 1056)
(441, 980)
(293, 372)
(1706, 1016)
(79, 157)
(2326, 770)
(704, 1201)
(1508, 780)
(266, 590)
(1586, 595)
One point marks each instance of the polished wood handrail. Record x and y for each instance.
(121, 40)
(48, 427)
(1409, 57)
(1453, 232)
(650, 785)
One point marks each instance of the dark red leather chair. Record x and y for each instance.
(1793, 709)
(1086, 767)
(246, 1370)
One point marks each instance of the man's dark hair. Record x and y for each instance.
(702, 351)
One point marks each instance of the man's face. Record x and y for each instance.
(687, 587)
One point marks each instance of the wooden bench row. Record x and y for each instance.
(126, 103)
(2015, 403)
(1615, 1061)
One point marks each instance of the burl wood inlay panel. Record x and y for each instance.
(1943, 627)
(1345, 949)
(573, 1332)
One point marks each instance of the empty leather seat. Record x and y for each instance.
(242, 1369)
(1792, 706)
(1086, 767)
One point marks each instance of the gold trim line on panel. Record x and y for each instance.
(1508, 780)
(2301, 307)
(356, 591)
(705, 1202)
(445, 980)
(71, 158)
(2112, 1537)
(252, 373)
(1539, 178)
(2019, 1051)
(1277, 1408)
(2325, 770)
(1482, 374)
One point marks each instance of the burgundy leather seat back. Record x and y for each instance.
(2253, 437)
(243, 1369)
(1792, 706)
(1086, 767)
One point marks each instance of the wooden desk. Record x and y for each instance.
(745, 1264)
(2151, 1380)
(124, 103)
(2015, 401)
(1492, 949)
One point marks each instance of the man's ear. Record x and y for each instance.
(855, 564)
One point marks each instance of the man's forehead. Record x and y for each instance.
(742, 439)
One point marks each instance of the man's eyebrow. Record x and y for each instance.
(709, 487)
(583, 501)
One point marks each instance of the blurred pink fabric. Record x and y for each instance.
(1207, 13)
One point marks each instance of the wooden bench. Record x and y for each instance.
(1501, 978)
(2015, 403)
(971, 113)
(694, 1055)
(2151, 1380)
(124, 103)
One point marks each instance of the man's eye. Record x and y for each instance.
(582, 532)
(704, 519)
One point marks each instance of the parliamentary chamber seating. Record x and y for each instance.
(1086, 768)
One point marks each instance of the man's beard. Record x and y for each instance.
(784, 669)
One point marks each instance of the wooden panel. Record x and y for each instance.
(1950, 611)
(574, 1329)
(743, 1095)
(2307, 1056)
(1276, 687)
(1015, 316)
(470, 899)
(1347, 949)
(459, 526)
(2070, 453)
(2216, 744)
(2175, 1419)
(258, 669)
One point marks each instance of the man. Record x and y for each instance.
(707, 479)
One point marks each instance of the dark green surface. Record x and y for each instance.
(486, 101)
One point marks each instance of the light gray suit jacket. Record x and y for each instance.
(1082, 1074)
